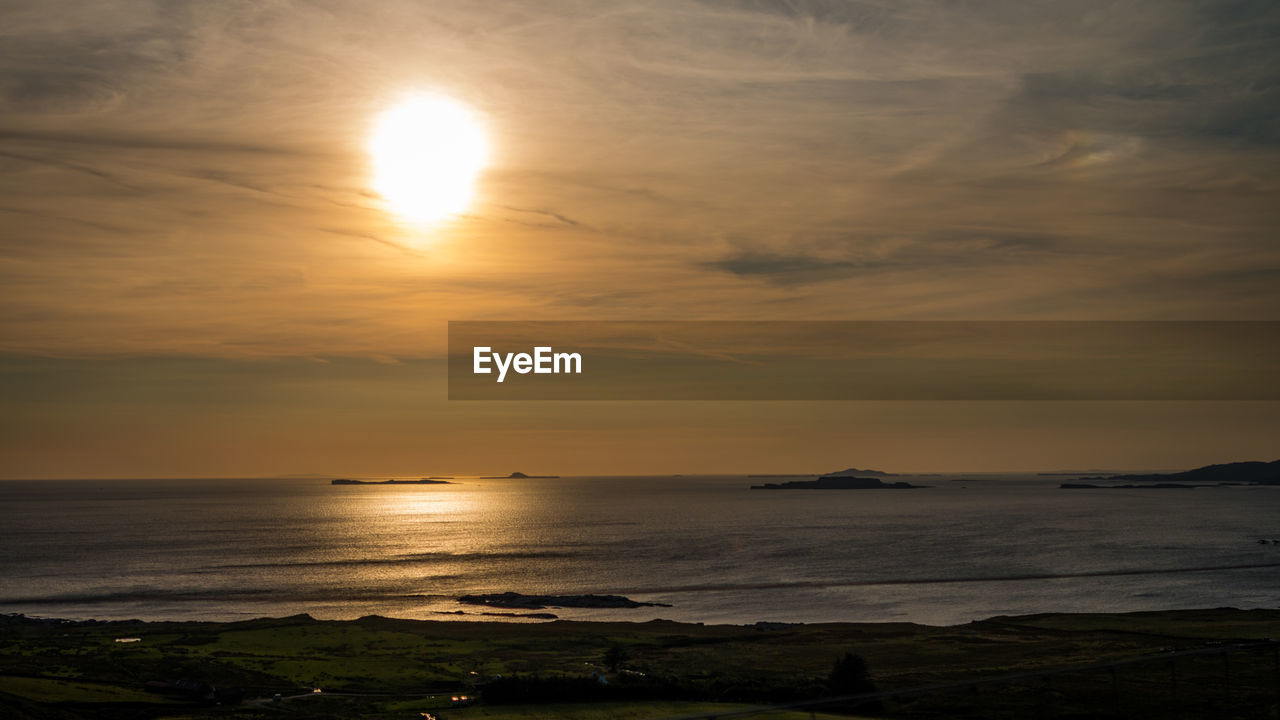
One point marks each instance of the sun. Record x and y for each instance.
(427, 153)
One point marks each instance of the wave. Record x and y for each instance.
(217, 594)
(822, 584)
(434, 557)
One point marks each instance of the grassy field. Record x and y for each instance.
(386, 668)
(625, 711)
(53, 690)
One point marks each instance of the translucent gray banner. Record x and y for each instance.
(838, 360)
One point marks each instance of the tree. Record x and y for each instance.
(615, 657)
(851, 676)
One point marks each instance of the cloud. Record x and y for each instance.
(783, 268)
(166, 165)
(845, 256)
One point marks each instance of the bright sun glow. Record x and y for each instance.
(427, 152)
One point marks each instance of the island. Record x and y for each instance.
(528, 616)
(838, 482)
(519, 601)
(850, 472)
(393, 481)
(847, 472)
(519, 476)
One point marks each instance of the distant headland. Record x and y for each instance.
(1254, 473)
(1237, 473)
(519, 476)
(847, 472)
(838, 482)
(393, 481)
(850, 472)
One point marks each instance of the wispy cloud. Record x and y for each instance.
(191, 177)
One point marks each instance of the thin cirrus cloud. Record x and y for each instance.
(191, 179)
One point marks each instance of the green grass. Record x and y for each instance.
(401, 660)
(51, 690)
(622, 711)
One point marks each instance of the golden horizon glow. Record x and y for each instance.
(427, 153)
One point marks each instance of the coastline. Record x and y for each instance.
(713, 549)
(1196, 616)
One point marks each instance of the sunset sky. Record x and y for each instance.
(199, 278)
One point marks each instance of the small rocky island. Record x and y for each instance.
(393, 481)
(520, 476)
(851, 472)
(847, 472)
(838, 482)
(519, 601)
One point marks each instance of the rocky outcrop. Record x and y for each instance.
(837, 482)
(538, 602)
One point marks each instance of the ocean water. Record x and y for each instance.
(967, 548)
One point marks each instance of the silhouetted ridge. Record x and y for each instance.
(855, 471)
(1261, 473)
(837, 482)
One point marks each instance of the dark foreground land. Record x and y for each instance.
(1208, 663)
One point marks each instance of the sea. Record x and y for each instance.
(707, 548)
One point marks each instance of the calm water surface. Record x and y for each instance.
(708, 546)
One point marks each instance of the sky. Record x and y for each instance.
(197, 278)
